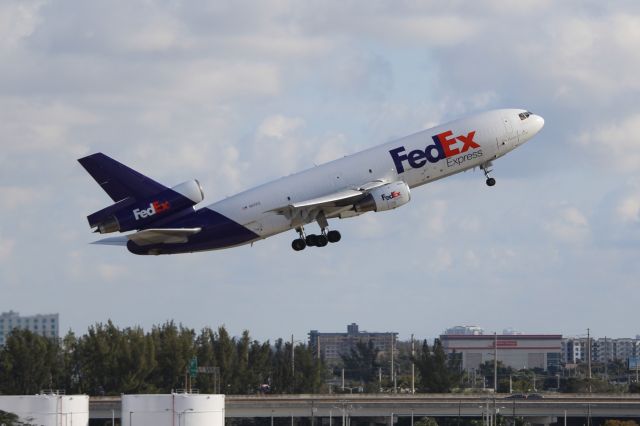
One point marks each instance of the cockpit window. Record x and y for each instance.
(524, 115)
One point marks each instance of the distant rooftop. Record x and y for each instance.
(465, 330)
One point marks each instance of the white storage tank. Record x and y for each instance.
(48, 410)
(177, 409)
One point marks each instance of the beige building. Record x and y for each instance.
(333, 345)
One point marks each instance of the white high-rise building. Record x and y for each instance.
(44, 325)
(576, 349)
(465, 330)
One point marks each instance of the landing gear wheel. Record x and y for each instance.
(311, 240)
(333, 236)
(491, 181)
(321, 240)
(298, 244)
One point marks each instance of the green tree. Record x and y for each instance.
(68, 371)
(260, 363)
(486, 371)
(28, 363)
(615, 422)
(438, 373)
(225, 352)
(309, 370)
(207, 383)
(581, 385)
(108, 360)
(426, 421)
(242, 382)
(361, 363)
(281, 374)
(174, 348)
(9, 419)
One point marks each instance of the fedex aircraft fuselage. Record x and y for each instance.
(377, 179)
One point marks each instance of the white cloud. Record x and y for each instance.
(41, 126)
(628, 209)
(17, 21)
(279, 126)
(614, 145)
(110, 272)
(6, 248)
(568, 225)
(435, 213)
(331, 148)
(18, 197)
(442, 261)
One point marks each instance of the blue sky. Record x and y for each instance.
(237, 93)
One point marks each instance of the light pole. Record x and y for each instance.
(393, 372)
(413, 372)
(293, 363)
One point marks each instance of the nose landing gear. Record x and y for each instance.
(486, 168)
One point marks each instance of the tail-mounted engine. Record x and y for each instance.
(384, 197)
(130, 214)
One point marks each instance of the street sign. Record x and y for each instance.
(208, 370)
(193, 367)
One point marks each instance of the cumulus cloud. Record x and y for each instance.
(17, 21)
(618, 216)
(17, 197)
(614, 145)
(278, 126)
(6, 248)
(568, 224)
(628, 209)
(109, 272)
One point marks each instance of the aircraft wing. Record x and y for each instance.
(329, 204)
(330, 200)
(153, 236)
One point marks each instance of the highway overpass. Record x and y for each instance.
(392, 406)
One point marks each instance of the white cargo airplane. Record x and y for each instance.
(377, 179)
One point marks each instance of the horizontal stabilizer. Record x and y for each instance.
(163, 236)
(113, 241)
(152, 236)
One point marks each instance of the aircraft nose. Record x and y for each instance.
(538, 123)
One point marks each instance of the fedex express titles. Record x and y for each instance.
(445, 146)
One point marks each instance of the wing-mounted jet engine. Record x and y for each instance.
(385, 197)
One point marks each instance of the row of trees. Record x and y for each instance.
(435, 372)
(110, 360)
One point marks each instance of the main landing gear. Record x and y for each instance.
(486, 168)
(313, 240)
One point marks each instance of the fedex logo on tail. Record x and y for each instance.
(155, 207)
(444, 145)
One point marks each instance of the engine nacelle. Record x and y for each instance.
(385, 197)
(139, 213)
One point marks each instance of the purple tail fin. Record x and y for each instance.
(118, 180)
